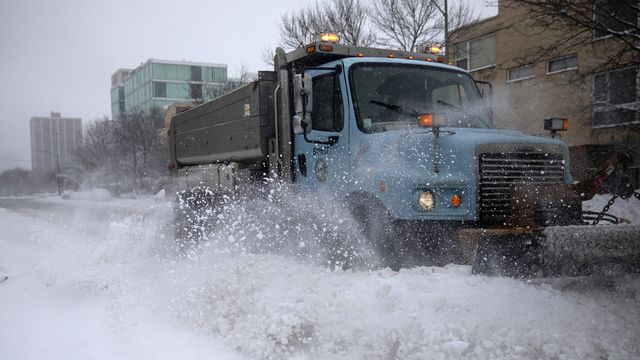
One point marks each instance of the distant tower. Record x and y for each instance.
(53, 142)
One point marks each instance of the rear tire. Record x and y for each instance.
(194, 212)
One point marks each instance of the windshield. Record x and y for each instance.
(392, 96)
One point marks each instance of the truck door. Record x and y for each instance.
(322, 159)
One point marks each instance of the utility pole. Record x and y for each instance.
(445, 13)
(58, 175)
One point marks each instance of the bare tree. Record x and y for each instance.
(239, 79)
(96, 148)
(406, 23)
(268, 54)
(298, 27)
(348, 18)
(403, 24)
(99, 156)
(138, 133)
(616, 18)
(409, 23)
(460, 14)
(16, 182)
(576, 22)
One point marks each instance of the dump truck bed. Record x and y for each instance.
(234, 127)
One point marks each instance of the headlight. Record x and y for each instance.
(426, 201)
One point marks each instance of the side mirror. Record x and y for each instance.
(554, 125)
(299, 125)
(303, 101)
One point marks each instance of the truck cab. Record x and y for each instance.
(416, 136)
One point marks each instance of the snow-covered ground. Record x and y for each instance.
(90, 279)
(628, 209)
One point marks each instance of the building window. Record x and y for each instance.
(477, 53)
(184, 73)
(520, 73)
(615, 97)
(462, 55)
(159, 89)
(157, 71)
(615, 16)
(195, 91)
(196, 73)
(172, 90)
(171, 72)
(562, 64)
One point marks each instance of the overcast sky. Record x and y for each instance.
(58, 55)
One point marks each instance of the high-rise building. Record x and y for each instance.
(159, 83)
(53, 142)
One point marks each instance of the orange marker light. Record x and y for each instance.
(455, 200)
(565, 124)
(311, 49)
(425, 120)
(382, 187)
(325, 47)
(360, 55)
(391, 56)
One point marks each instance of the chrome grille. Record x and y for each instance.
(498, 171)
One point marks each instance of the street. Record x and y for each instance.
(85, 285)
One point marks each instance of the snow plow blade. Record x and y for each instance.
(553, 251)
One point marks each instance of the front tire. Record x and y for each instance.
(374, 223)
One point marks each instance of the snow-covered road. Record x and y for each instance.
(85, 283)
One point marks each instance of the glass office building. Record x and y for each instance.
(159, 83)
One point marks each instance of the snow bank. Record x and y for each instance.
(86, 287)
(626, 209)
(267, 306)
(92, 195)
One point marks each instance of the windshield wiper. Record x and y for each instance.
(397, 108)
(466, 112)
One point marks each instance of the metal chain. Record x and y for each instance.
(605, 209)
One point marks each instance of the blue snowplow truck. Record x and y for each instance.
(407, 144)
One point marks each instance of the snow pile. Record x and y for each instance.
(92, 195)
(87, 286)
(628, 209)
(266, 306)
